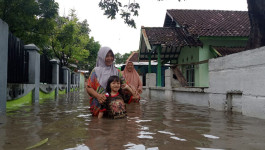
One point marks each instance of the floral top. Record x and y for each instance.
(93, 83)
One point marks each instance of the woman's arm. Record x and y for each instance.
(100, 97)
(133, 92)
(140, 86)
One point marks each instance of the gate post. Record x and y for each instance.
(168, 86)
(65, 77)
(55, 75)
(73, 79)
(34, 70)
(69, 81)
(3, 64)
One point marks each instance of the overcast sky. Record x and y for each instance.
(122, 38)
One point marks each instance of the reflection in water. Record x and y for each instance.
(150, 125)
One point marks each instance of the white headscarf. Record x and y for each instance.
(103, 71)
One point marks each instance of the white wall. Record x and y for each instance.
(243, 76)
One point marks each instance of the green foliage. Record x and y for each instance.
(93, 47)
(111, 8)
(30, 20)
(71, 43)
(121, 59)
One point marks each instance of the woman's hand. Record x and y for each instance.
(140, 91)
(135, 95)
(101, 98)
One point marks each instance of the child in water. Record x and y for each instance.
(114, 106)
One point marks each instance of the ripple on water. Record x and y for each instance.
(177, 138)
(84, 116)
(138, 121)
(143, 127)
(211, 136)
(201, 148)
(79, 147)
(145, 135)
(132, 146)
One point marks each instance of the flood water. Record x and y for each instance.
(150, 125)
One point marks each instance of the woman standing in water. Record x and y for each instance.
(97, 81)
(133, 80)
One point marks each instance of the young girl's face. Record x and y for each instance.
(115, 86)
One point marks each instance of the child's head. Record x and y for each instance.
(113, 84)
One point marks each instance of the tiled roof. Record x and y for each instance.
(134, 57)
(228, 50)
(170, 37)
(210, 22)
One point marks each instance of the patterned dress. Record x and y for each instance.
(93, 83)
(115, 107)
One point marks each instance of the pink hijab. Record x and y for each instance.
(132, 77)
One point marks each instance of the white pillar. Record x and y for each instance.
(3, 64)
(34, 69)
(168, 85)
(65, 77)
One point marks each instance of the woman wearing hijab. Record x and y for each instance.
(132, 78)
(97, 81)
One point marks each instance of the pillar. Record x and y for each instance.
(168, 85)
(3, 64)
(34, 70)
(65, 77)
(149, 64)
(69, 81)
(55, 75)
(150, 82)
(159, 76)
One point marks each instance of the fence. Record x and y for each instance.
(61, 75)
(23, 69)
(45, 70)
(18, 60)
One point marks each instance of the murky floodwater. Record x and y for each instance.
(151, 125)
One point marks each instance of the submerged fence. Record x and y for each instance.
(24, 72)
(45, 70)
(18, 59)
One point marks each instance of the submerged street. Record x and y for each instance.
(150, 124)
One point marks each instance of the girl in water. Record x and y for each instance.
(114, 107)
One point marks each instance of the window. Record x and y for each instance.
(190, 75)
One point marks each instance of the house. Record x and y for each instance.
(189, 38)
(142, 68)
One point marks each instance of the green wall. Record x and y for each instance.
(62, 91)
(50, 95)
(196, 54)
(27, 100)
(16, 103)
(189, 55)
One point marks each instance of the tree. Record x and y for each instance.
(93, 47)
(121, 59)
(111, 8)
(70, 39)
(256, 13)
(30, 20)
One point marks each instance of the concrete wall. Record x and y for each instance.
(237, 82)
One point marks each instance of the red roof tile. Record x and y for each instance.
(170, 37)
(210, 22)
(228, 50)
(134, 57)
